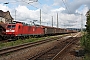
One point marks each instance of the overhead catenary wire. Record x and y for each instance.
(23, 1)
(12, 2)
(30, 4)
(65, 6)
(38, 8)
(34, 6)
(39, 2)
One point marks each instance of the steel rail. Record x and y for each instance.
(26, 45)
(55, 56)
(69, 44)
(58, 55)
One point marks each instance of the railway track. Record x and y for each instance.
(59, 55)
(3, 40)
(27, 45)
(55, 52)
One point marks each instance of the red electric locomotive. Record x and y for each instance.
(22, 30)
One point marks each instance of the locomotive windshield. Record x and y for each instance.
(11, 26)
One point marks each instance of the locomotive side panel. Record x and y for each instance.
(19, 29)
(37, 30)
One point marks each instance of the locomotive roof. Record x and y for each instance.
(15, 22)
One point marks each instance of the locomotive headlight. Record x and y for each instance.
(10, 30)
(7, 30)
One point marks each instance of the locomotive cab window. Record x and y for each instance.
(11, 26)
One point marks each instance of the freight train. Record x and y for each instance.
(20, 30)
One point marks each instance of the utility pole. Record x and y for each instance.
(81, 23)
(57, 20)
(40, 16)
(52, 21)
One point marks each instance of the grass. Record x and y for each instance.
(87, 56)
(18, 42)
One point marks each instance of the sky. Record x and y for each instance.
(71, 13)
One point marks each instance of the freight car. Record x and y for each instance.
(21, 30)
(53, 30)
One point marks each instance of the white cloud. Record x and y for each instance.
(59, 9)
(24, 13)
(4, 8)
(83, 11)
(57, 2)
(72, 6)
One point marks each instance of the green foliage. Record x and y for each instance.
(85, 41)
(87, 56)
(88, 22)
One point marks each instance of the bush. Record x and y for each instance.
(85, 41)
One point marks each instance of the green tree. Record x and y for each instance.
(88, 22)
(86, 38)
